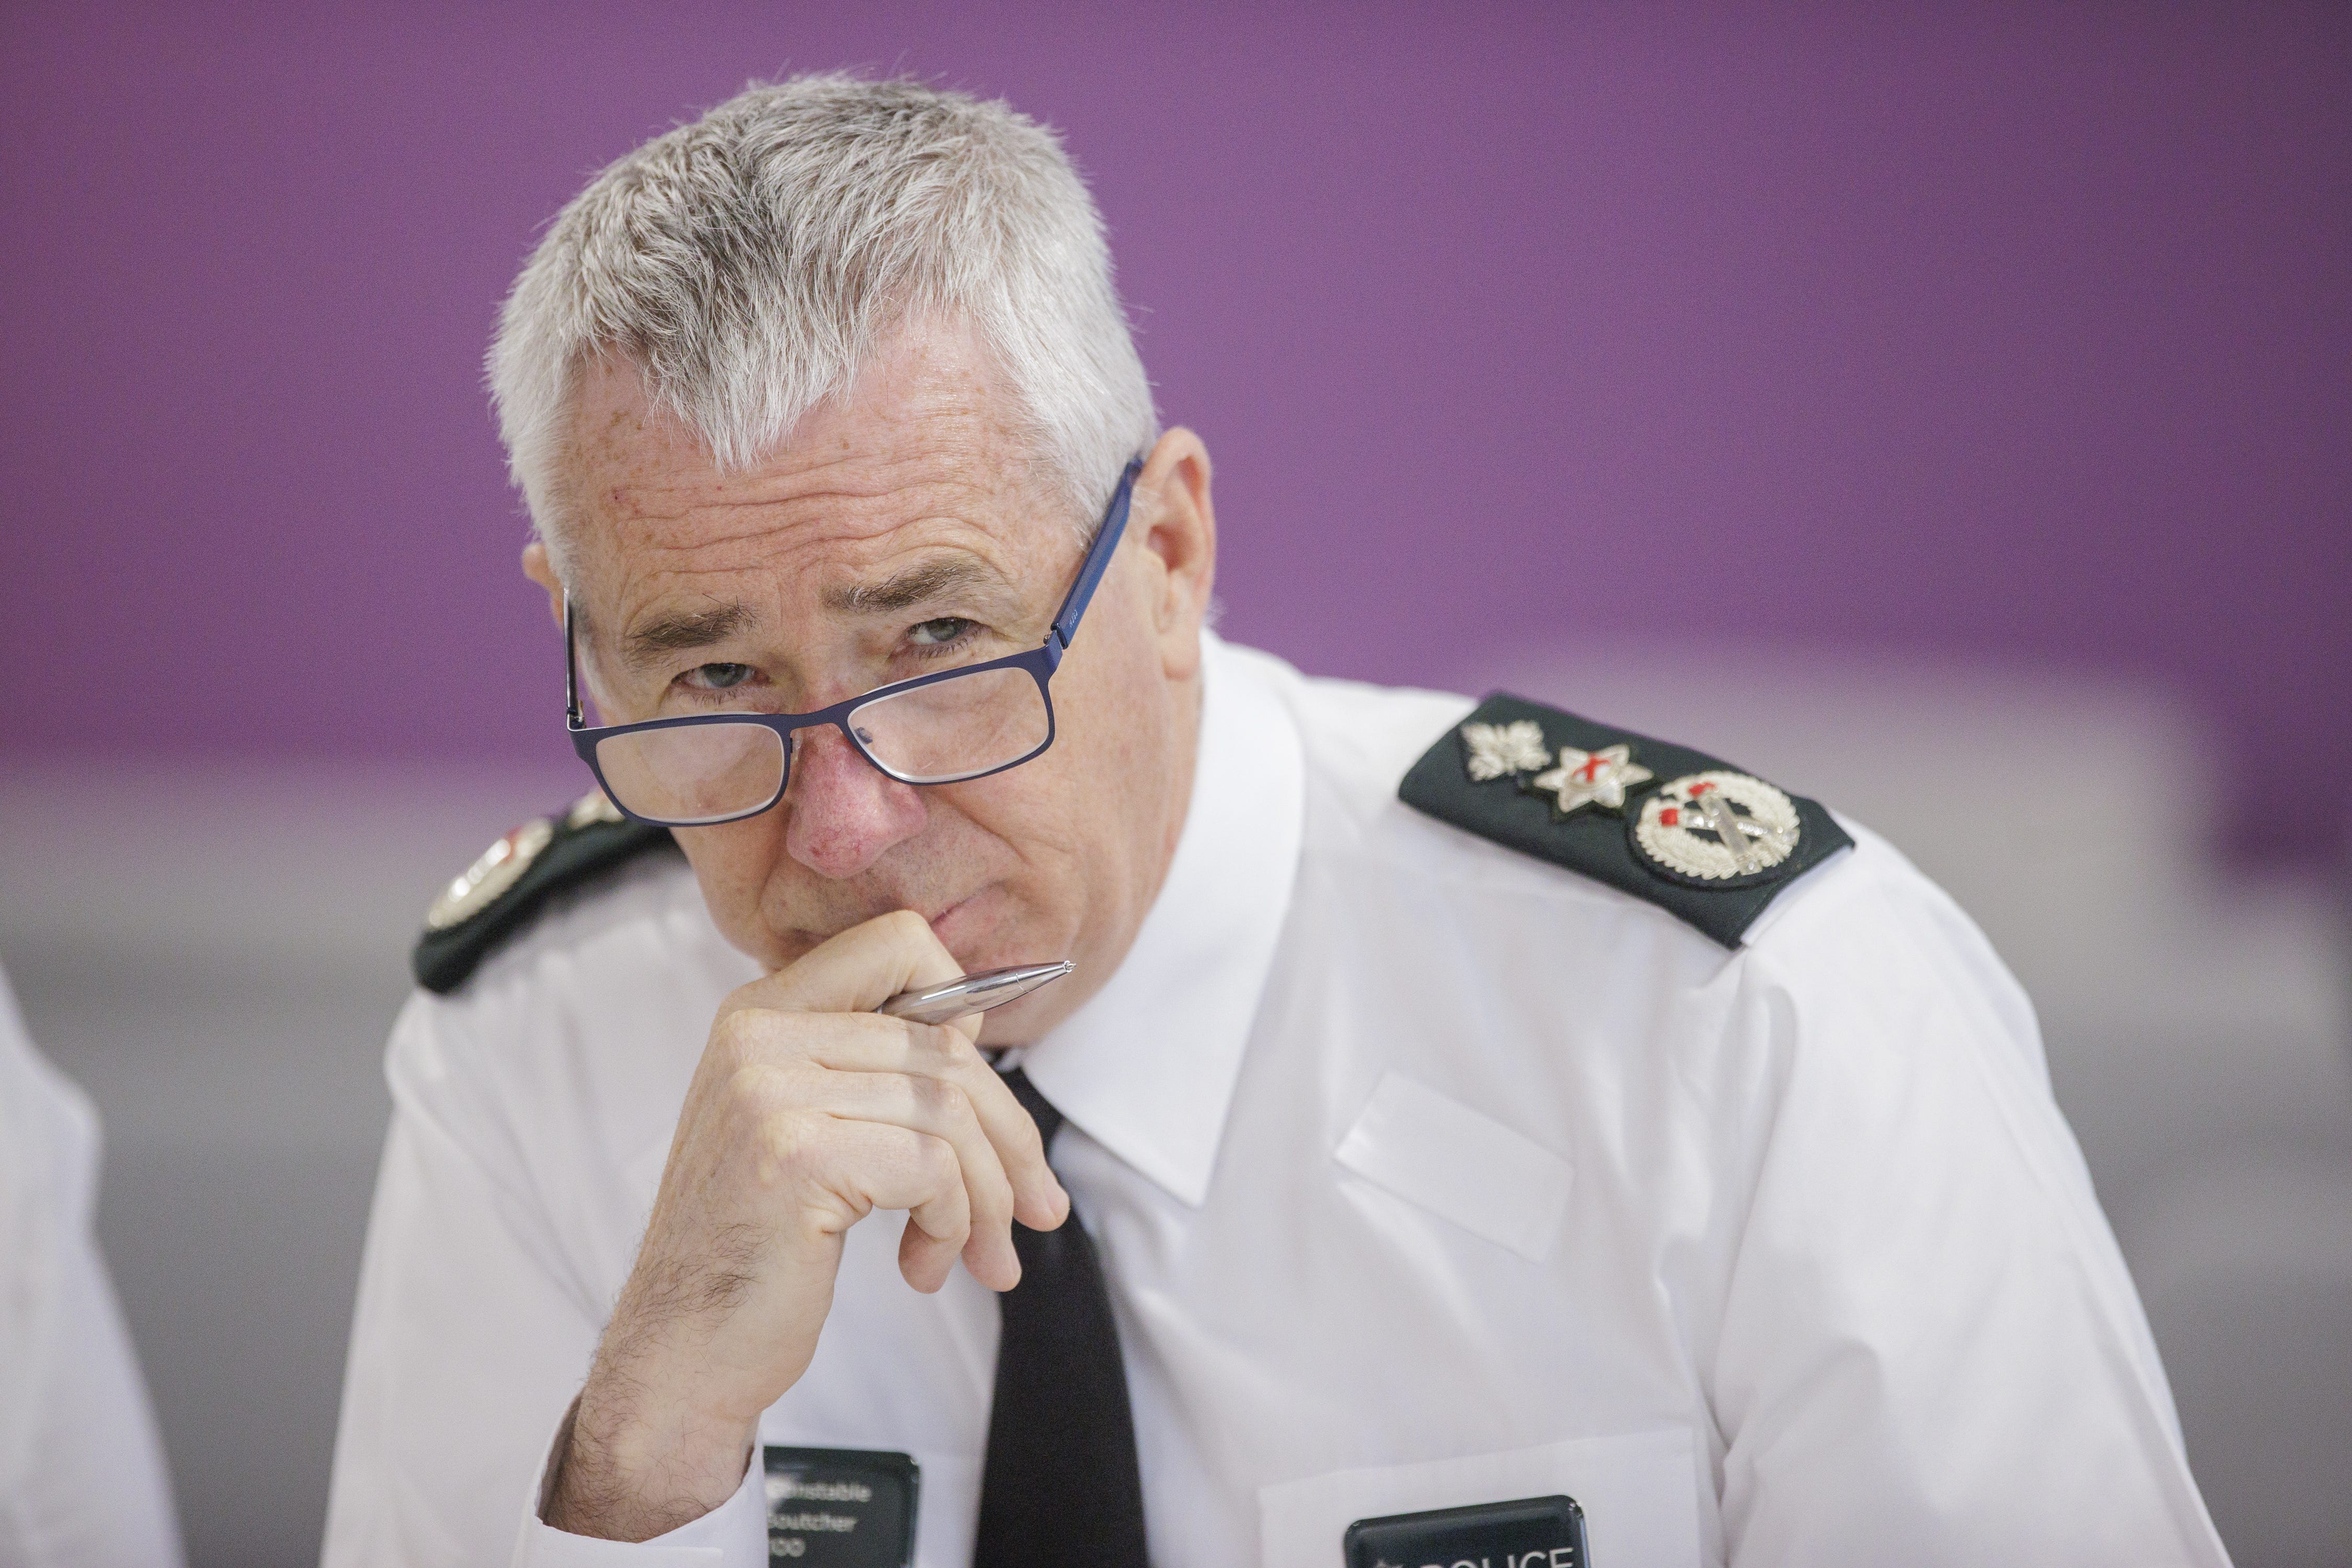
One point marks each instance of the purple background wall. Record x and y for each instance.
(2009, 332)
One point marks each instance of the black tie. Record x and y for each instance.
(1061, 1487)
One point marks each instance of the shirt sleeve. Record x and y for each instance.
(1931, 1352)
(470, 1341)
(465, 1347)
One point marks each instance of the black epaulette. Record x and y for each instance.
(504, 891)
(1655, 820)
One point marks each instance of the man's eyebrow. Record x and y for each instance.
(924, 581)
(682, 631)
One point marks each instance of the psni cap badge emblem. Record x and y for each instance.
(499, 866)
(1716, 827)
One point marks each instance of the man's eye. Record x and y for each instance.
(938, 633)
(718, 676)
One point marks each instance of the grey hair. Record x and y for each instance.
(751, 263)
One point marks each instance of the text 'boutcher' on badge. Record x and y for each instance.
(840, 1508)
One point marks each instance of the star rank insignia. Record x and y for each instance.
(1591, 778)
(1712, 845)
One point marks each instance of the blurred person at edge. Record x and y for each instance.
(1418, 1172)
(82, 1483)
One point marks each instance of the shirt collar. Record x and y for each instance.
(1147, 1066)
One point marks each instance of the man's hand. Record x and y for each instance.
(808, 1111)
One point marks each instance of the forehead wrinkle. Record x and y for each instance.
(643, 502)
(947, 555)
(798, 475)
(695, 524)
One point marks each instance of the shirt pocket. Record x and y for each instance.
(1460, 1165)
(1638, 1492)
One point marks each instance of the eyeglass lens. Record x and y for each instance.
(955, 729)
(937, 733)
(695, 772)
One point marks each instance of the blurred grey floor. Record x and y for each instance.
(217, 955)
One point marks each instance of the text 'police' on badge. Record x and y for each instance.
(1531, 1532)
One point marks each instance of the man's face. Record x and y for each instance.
(899, 530)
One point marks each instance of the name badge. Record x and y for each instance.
(840, 1508)
(1533, 1532)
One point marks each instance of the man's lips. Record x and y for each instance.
(959, 920)
(943, 919)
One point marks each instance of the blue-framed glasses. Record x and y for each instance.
(946, 728)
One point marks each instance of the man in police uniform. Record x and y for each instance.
(1465, 1135)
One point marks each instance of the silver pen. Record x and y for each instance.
(971, 994)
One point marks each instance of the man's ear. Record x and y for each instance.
(1179, 528)
(542, 570)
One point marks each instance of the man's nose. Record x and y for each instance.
(842, 811)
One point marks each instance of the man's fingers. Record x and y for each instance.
(1039, 1201)
(940, 1110)
(923, 1258)
(877, 1165)
(870, 1043)
(850, 975)
(815, 1022)
(858, 970)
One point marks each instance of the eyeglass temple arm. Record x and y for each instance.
(1097, 561)
(571, 716)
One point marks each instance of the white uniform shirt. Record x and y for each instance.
(1424, 1174)
(81, 1468)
